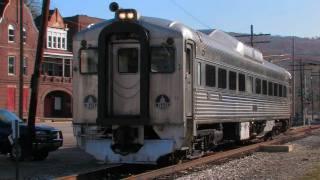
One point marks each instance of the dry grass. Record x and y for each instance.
(313, 174)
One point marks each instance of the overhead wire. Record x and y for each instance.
(190, 14)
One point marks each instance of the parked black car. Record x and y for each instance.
(47, 138)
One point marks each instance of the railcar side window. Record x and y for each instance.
(264, 87)
(284, 91)
(270, 89)
(199, 73)
(222, 78)
(162, 59)
(242, 82)
(275, 89)
(210, 75)
(258, 86)
(89, 61)
(249, 84)
(232, 80)
(280, 90)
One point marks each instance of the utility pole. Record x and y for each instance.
(311, 99)
(36, 73)
(21, 63)
(301, 91)
(293, 79)
(252, 35)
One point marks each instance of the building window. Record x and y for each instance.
(54, 44)
(249, 84)
(270, 89)
(210, 75)
(11, 65)
(63, 43)
(52, 67)
(49, 41)
(264, 87)
(25, 66)
(24, 35)
(222, 78)
(242, 82)
(232, 80)
(59, 42)
(56, 39)
(11, 33)
(258, 86)
(67, 65)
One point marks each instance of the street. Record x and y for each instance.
(66, 161)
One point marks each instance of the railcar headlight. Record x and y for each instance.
(127, 14)
(130, 15)
(122, 15)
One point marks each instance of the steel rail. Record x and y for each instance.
(219, 157)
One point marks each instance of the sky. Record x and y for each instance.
(277, 17)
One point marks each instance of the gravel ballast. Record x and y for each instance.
(264, 165)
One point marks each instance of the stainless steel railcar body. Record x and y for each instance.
(146, 88)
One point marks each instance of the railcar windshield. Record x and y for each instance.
(89, 61)
(162, 59)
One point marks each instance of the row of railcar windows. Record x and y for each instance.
(245, 82)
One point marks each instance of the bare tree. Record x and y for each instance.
(34, 6)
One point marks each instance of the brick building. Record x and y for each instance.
(55, 91)
(77, 23)
(10, 54)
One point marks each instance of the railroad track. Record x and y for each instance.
(141, 172)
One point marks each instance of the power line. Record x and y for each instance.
(190, 14)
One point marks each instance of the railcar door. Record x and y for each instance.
(189, 95)
(126, 79)
(188, 81)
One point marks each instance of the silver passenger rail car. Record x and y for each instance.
(146, 88)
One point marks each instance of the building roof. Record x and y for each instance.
(81, 21)
(55, 19)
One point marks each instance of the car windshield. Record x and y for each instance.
(8, 117)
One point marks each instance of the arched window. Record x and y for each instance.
(24, 32)
(11, 33)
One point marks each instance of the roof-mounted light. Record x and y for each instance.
(127, 14)
(123, 14)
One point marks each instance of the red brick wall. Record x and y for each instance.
(6, 48)
(10, 15)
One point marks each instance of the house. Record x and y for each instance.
(10, 54)
(55, 90)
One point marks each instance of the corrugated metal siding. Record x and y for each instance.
(208, 105)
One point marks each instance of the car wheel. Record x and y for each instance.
(40, 155)
(16, 152)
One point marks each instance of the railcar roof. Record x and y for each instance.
(214, 39)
